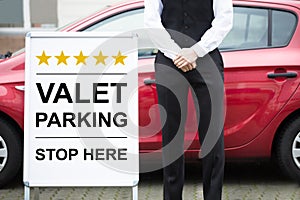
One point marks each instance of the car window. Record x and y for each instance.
(132, 20)
(283, 27)
(253, 29)
(250, 29)
(125, 21)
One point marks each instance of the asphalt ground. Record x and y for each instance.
(243, 181)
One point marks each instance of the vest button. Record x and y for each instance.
(186, 27)
(185, 14)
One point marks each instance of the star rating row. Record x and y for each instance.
(81, 58)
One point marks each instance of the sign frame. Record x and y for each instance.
(27, 146)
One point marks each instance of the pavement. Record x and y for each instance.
(243, 181)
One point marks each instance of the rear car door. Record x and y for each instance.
(262, 69)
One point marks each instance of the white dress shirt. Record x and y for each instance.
(212, 38)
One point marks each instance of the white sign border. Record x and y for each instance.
(29, 36)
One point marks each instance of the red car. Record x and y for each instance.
(262, 69)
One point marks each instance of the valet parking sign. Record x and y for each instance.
(81, 110)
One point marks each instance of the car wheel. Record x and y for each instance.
(10, 152)
(287, 150)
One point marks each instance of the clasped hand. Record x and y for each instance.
(186, 59)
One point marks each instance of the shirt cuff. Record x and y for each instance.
(200, 51)
(170, 55)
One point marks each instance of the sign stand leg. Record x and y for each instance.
(135, 192)
(26, 192)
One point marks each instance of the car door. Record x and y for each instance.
(149, 117)
(149, 121)
(261, 71)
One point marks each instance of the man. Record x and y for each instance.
(187, 33)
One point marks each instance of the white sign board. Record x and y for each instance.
(81, 110)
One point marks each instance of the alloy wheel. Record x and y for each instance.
(3, 153)
(296, 150)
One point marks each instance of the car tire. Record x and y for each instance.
(11, 145)
(288, 142)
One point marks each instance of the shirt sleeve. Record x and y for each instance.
(158, 34)
(221, 25)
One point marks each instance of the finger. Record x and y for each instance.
(190, 66)
(179, 60)
(186, 68)
(181, 64)
(184, 64)
(194, 65)
(183, 69)
(176, 58)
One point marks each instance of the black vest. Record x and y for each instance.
(187, 20)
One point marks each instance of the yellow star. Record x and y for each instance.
(100, 58)
(81, 58)
(119, 58)
(43, 58)
(62, 58)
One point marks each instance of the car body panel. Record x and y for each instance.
(12, 70)
(12, 102)
(261, 146)
(253, 99)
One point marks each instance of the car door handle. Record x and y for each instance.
(286, 75)
(149, 81)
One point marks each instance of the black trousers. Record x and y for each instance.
(172, 88)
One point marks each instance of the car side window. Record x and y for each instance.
(126, 21)
(253, 29)
(250, 29)
(283, 27)
(132, 20)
